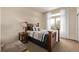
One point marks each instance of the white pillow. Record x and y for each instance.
(37, 29)
(34, 29)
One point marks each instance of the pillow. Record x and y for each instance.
(34, 28)
(30, 27)
(37, 29)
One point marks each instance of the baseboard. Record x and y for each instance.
(69, 39)
(66, 38)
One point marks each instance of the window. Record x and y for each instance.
(54, 22)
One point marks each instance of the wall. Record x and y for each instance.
(0, 29)
(44, 20)
(72, 17)
(78, 23)
(12, 19)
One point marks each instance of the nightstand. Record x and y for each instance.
(23, 36)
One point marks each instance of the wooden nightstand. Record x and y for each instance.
(23, 36)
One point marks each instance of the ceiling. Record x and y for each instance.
(44, 9)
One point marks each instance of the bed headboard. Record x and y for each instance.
(30, 27)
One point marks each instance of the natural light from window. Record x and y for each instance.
(54, 22)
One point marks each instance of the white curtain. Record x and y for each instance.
(48, 21)
(64, 24)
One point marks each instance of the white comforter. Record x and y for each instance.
(38, 34)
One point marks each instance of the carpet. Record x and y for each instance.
(15, 46)
(65, 45)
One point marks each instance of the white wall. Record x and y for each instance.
(78, 23)
(72, 17)
(12, 19)
(0, 29)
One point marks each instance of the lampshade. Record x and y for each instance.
(24, 24)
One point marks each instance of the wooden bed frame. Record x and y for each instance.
(50, 44)
(51, 38)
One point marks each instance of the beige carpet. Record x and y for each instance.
(13, 46)
(63, 46)
(35, 48)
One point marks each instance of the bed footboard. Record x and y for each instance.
(51, 40)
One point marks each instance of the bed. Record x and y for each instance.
(44, 38)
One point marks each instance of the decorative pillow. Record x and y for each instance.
(37, 29)
(34, 28)
(30, 27)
